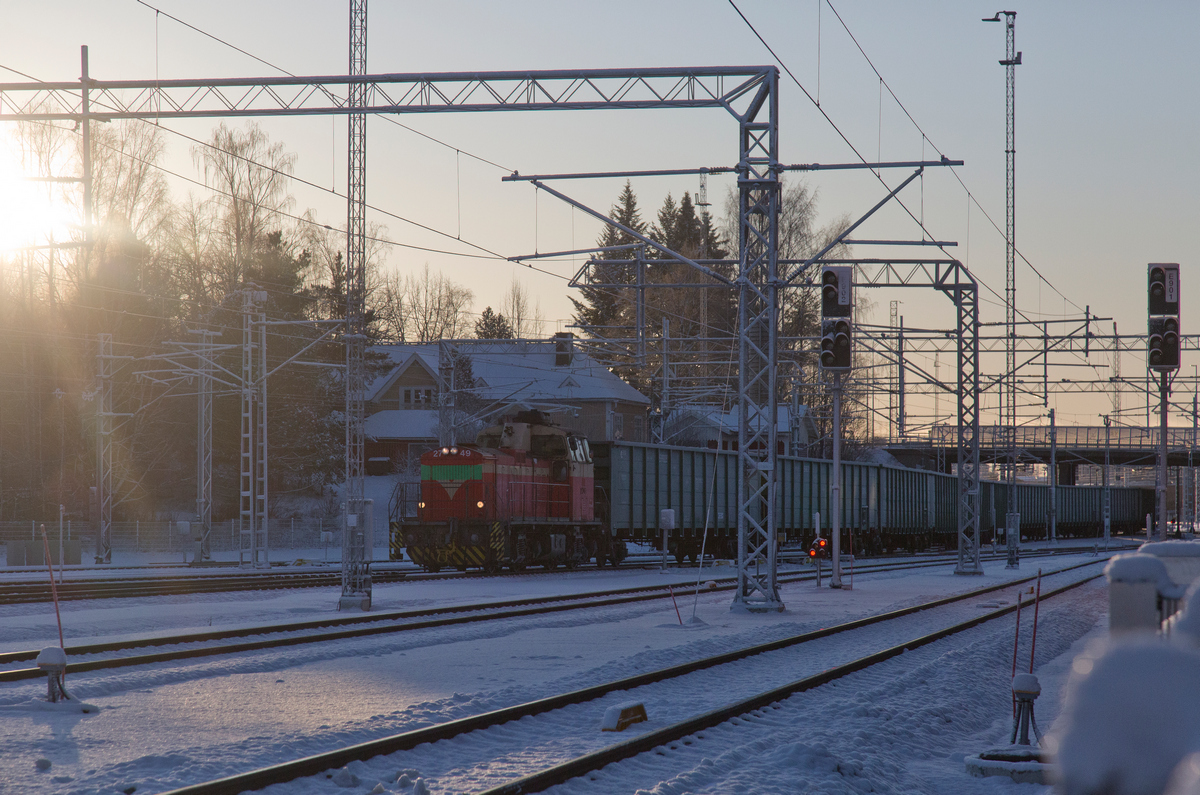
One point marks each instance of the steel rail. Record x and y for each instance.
(25, 593)
(30, 592)
(517, 608)
(573, 602)
(320, 763)
(588, 763)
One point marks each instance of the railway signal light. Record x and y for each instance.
(818, 549)
(1163, 288)
(836, 344)
(837, 291)
(837, 305)
(1163, 344)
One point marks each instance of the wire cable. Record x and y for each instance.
(388, 119)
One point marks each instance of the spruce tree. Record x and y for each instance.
(493, 326)
(605, 306)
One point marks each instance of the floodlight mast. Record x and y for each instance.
(1008, 390)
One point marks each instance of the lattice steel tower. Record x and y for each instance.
(356, 537)
(1008, 398)
(254, 549)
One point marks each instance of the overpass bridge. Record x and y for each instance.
(1074, 445)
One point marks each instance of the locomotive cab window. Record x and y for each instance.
(549, 446)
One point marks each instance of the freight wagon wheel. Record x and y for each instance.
(680, 553)
(433, 568)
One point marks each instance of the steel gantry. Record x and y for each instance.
(951, 277)
(758, 349)
(750, 94)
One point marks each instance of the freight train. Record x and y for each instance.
(529, 493)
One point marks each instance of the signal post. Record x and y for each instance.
(837, 344)
(1162, 354)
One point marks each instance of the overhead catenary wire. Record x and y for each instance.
(919, 221)
(267, 63)
(924, 137)
(859, 154)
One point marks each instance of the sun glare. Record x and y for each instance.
(32, 212)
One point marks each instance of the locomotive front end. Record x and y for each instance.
(455, 524)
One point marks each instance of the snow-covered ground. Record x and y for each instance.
(904, 727)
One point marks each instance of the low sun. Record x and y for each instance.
(33, 212)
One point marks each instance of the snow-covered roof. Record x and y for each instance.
(726, 419)
(518, 372)
(408, 424)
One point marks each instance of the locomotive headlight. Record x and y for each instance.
(420, 505)
(445, 451)
(479, 504)
(453, 451)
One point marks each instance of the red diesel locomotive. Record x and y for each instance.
(522, 495)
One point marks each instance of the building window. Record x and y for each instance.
(416, 398)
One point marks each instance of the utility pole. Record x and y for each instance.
(1164, 392)
(1107, 481)
(1052, 524)
(204, 442)
(664, 399)
(894, 324)
(900, 420)
(104, 440)
(1162, 357)
(837, 358)
(1192, 471)
(253, 506)
(835, 491)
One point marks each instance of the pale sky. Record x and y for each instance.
(1107, 105)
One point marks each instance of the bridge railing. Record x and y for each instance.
(1069, 436)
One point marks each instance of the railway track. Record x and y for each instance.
(760, 658)
(34, 591)
(30, 591)
(209, 643)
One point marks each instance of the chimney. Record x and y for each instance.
(564, 348)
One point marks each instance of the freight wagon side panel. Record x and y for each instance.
(643, 479)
